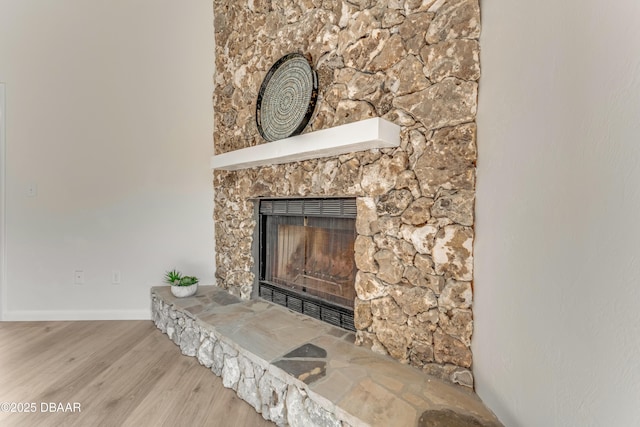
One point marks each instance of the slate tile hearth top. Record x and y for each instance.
(306, 363)
(307, 371)
(372, 388)
(307, 350)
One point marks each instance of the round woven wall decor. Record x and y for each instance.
(287, 98)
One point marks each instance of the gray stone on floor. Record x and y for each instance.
(298, 371)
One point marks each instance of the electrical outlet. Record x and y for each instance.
(116, 277)
(78, 277)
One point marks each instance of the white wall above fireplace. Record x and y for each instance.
(349, 138)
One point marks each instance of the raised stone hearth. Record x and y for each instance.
(300, 372)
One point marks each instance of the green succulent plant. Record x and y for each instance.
(175, 278)
(188, 281)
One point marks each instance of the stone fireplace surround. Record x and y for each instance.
(414, 63)
(384, 261)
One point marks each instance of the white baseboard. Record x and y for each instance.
(44, 315)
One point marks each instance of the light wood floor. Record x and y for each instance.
(122, 373)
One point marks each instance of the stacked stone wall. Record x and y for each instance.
(412, 62)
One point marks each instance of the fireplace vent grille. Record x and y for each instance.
(333, 315)
(334, 208)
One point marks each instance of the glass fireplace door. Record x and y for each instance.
(312, 256)
(309, 257)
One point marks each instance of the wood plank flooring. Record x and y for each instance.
(121, 373)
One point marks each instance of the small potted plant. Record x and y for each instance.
(181, 286)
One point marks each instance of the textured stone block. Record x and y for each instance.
(457, 205)
(390, 268)
(454, 19)
(450, 350)
(456, 295)
(452, 58)
(446, 103)
(369, 287)
(413, 300)
(205, 353)
(189, 341)
(230, 372)
(453, 252)
(365, 249)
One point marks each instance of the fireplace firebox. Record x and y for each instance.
(306, 257)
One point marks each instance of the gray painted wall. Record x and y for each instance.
(557, 260)
(109, 114)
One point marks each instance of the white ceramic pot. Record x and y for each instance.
(184, 291)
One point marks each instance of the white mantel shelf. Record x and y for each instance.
(349, 138)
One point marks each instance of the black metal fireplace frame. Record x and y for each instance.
(297, 301)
